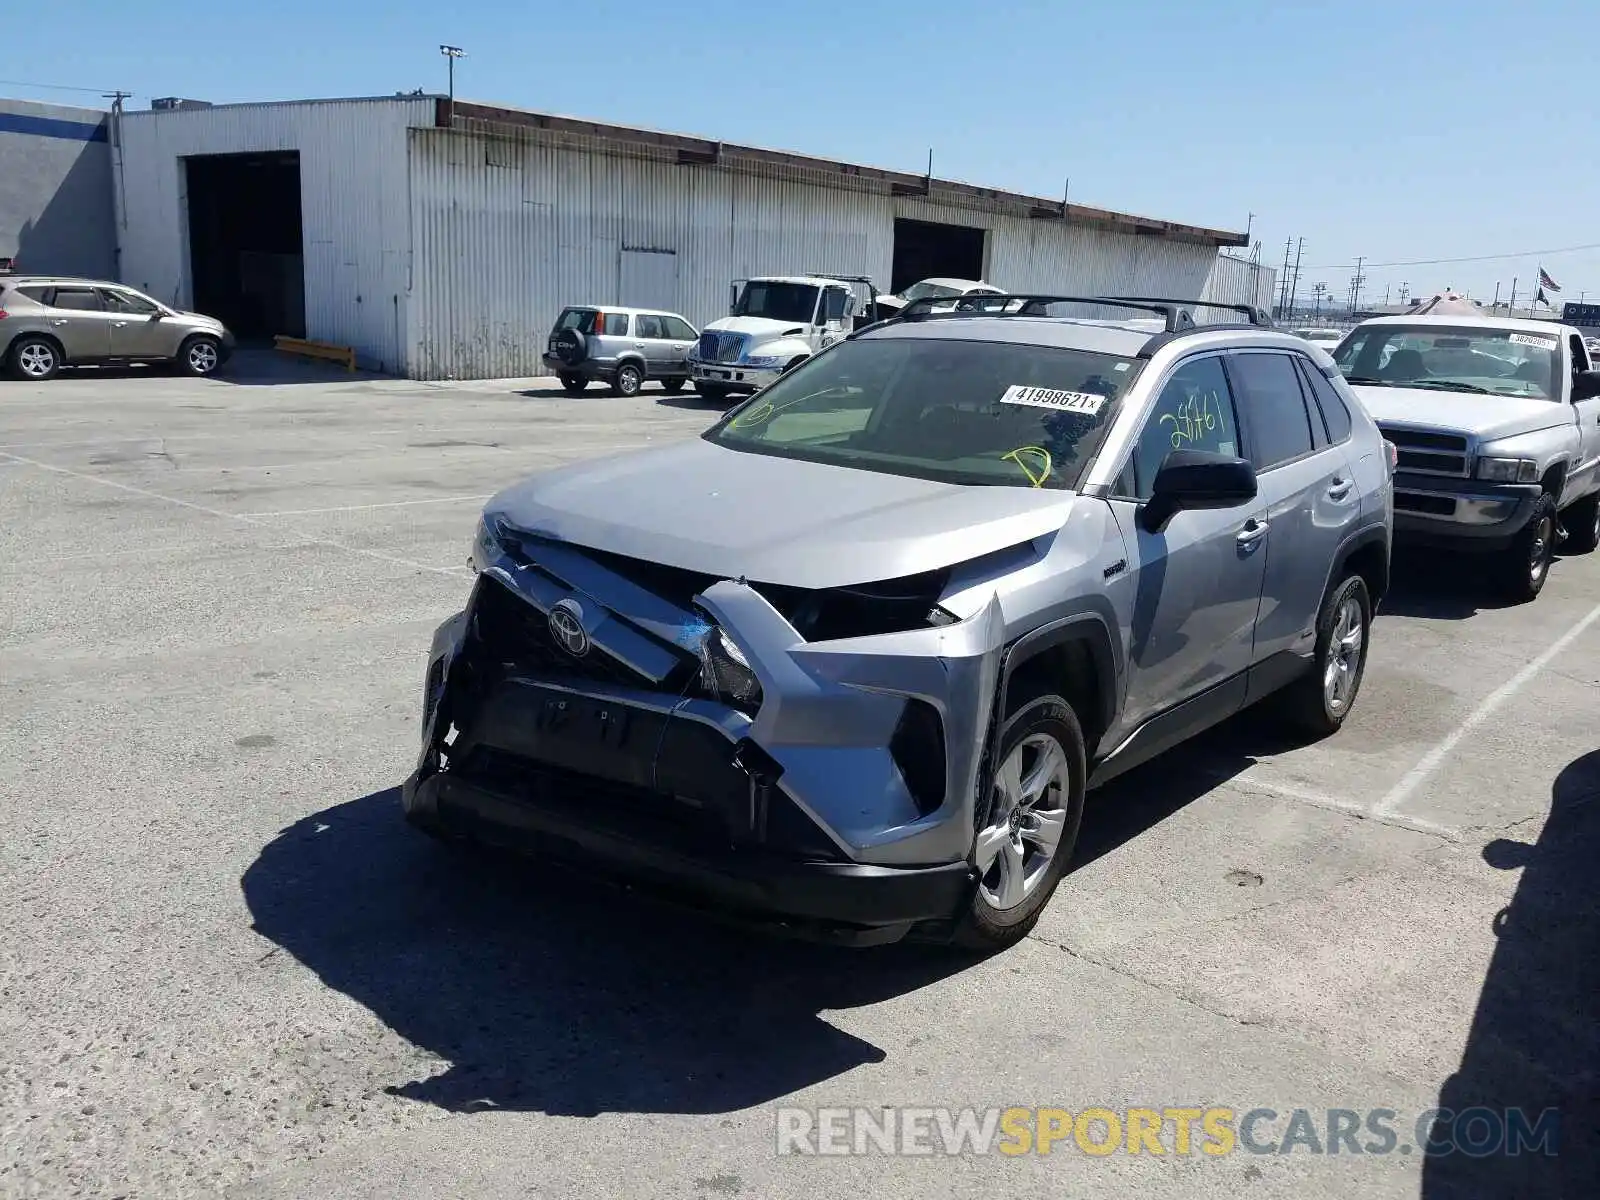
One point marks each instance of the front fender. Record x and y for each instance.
(783, 349)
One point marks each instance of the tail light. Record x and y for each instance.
(1393, 455)
(3, 314)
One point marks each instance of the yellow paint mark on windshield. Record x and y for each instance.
(1041, 463)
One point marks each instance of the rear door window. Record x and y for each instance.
(612, 324)
(1274, 407)
(78, 299)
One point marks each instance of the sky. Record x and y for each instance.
(1401, 133)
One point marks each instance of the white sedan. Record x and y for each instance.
(937, 289)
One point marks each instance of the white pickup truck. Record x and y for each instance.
(1497, 427)
(775, 324)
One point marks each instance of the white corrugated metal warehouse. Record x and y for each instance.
(441, 240)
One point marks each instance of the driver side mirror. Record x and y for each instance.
(1585, 385)
(1196, 479)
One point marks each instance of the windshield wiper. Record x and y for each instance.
(1368, 380)
(1450, 385)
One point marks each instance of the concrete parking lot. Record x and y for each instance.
(225, 964)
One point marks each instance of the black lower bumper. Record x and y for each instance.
(848, 902)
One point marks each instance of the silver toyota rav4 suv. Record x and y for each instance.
(847, 663)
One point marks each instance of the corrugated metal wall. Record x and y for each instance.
(354, 196)
(1239, 281)
(510, 229)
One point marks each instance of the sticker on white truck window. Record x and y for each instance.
(1533, 339)
(1087, 403)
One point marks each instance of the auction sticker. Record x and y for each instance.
(1075, 402)
(1532, 339)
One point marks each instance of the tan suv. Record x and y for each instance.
(47, 323)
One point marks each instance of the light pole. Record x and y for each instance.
(1318, 290)
(452, 53)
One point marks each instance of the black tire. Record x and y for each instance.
(35, 359)
(629, 379)
(574, 384)
(1308, 707)
(1525, 567)
(711, 393)
(200, 356)
(1582, 523)
(571, 347)
(986, 927)
(673, 385)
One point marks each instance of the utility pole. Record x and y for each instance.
(1283, 280)
(452, 53)
(1495, 306)
(1319, 290)
(1386, 295)
(1294, 283)
(1355, 286)
(1511, 305)
(1405, 292)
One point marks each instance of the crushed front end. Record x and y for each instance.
(680, 731)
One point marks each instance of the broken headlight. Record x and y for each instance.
(725, 672)
(486, 544)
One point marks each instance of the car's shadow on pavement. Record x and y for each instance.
(1442, 587)
(545, 991)
(1534, 1043)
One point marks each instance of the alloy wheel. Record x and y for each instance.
(202, 358)
(1028, 813)
(36, 360)
(1344, 656)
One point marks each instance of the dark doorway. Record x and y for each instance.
(245, 250)
(928, 250)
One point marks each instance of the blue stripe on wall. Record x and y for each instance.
(52, 127)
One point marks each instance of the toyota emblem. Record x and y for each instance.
(566, 627)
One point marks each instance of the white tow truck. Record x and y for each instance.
(775, 323)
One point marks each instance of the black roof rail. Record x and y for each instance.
(1173, 314)
(1250, 312)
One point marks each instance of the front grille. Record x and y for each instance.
(1429, 453)
(516, 635)
(1439, 506)
(721, 347)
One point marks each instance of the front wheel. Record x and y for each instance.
(1034, 808)
(629, 380)
(1319, 701)
(1525, 567)
(1582, 523)
(200, 356)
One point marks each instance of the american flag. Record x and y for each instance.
(1546, 283)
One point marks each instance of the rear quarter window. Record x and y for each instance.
(1334, 413)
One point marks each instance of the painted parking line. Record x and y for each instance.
(343, 508)
(1251, 782)
(1413, 779)
(307, 538)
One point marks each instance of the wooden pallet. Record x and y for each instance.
(305, 348)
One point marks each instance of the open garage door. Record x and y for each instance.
(246, 253)
(930, 250)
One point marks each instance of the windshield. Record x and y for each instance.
(1501, 362)
(993, 413)
(925, 290)
(794, 302)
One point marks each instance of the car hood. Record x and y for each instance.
(1482, 417)
(757, 327)
(705, 508)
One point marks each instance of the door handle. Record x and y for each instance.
(1340, 489)
(1252, 532)
(119, 324)
(638, 345)
(61, 322)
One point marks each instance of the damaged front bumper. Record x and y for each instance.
(812, 802)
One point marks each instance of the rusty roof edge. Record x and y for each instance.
(1120, 222)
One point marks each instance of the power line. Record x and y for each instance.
(1434, 262)
(51, 87)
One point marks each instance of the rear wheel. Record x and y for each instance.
(1319, 701)
(1582, 523)
(1525, 567)
(630, 378)
(673, 384)
(1035, 805)
(574, 384)
(36, 358)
